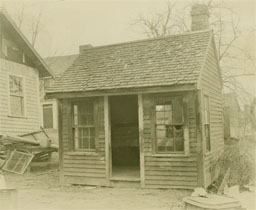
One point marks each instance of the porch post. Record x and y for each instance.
(60, 134)
(107, 137)
(141, 140)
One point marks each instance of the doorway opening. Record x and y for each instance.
(125, 151)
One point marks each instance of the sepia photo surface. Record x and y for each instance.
(132, 104)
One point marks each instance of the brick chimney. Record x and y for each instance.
(199, 17)
(84, 47)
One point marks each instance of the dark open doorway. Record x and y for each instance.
(125, 136)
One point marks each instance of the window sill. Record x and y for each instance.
(170, 155)
(83, 153)
(13, 116)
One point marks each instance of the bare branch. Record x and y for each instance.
(35, 28)
(20, 16)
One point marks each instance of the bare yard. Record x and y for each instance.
(41, 190)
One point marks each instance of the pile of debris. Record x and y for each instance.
(17, 153)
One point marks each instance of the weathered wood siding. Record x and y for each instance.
(81, 167)
(163, 171)
(211, 86)
(31, 121)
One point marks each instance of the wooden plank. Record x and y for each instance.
(86, 170)
(171, 168)
(68, 113)
(85, 166)
(107, 138)
(200, 155)
(171, 173)
(85, 180)
(60, 126)
(169, 159)
(165, 164)
(84, 174)
(92, 162)
(171, 183)
(141, 140)
(84, 157)
(128, 91)
(160, 186)
(171, 178)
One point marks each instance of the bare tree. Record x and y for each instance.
(162, 24)
(225, 23)
(29, 25)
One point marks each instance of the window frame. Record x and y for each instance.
(207, 123)
(185, 151)
(52, 107)
(21, 96)
(73, 126)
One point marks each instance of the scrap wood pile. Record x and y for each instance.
(17, 152)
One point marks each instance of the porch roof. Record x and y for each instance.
(166, 61)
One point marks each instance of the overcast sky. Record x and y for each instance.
(67, 24)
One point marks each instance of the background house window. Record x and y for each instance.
(83, 125)
(169, 125)
(48, 116)
(12, 51)
(207, 123)
(16, 96)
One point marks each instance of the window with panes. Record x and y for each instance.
(83, 125)
(16, 96)
(169, 123)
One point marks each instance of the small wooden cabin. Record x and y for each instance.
(20, 70)
(146, 113)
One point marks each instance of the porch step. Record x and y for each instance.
(125, 183)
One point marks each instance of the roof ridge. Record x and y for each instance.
(148, 39)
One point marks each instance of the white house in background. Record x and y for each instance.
(20, 69)
(49, 107)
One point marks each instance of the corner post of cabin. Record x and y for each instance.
(107, 137)
(200, 153)
(141, 141)
(60, 111)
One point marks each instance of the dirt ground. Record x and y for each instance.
(41, 190)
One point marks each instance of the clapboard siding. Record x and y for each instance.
(31, 121)
(166, 171)
(211, 86)
(81, 167)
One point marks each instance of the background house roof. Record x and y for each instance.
(59, 64)
(24, 44)
(171, 60)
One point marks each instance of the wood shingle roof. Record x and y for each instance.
(171, 60)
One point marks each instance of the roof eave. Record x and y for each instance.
(122, 91)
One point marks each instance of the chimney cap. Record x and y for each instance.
(84, 47)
